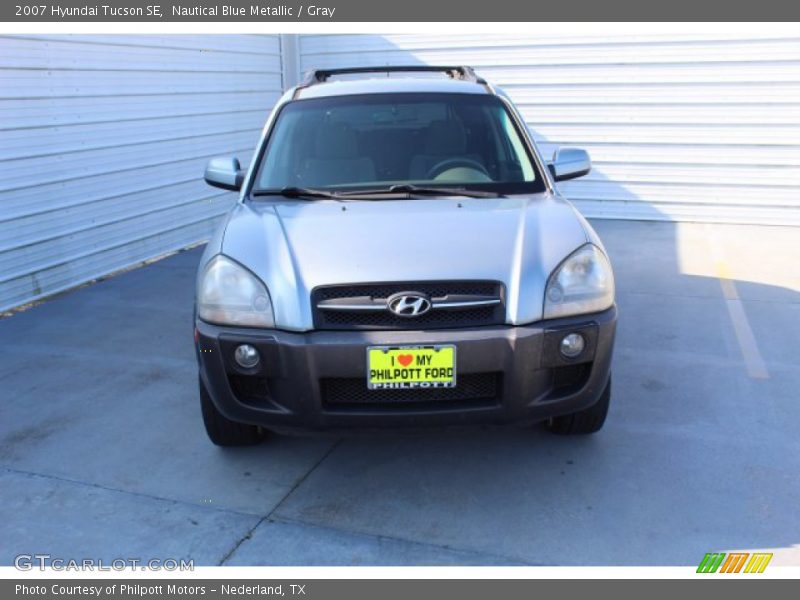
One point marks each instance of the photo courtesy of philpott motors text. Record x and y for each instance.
(146, 590)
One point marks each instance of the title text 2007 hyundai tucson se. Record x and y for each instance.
(400, 256)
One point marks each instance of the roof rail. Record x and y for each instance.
(454, 72)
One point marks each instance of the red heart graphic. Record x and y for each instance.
(404, 359)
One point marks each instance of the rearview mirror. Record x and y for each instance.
(224, 172)
(569, 163)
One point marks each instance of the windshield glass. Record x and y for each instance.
(381, 140)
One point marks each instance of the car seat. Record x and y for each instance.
(336, 158)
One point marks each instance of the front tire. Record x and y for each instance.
(221, 430)
(588, 420)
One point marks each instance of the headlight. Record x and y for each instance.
(229, 294)
(581, 284)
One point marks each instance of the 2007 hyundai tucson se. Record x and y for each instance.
(400, 256)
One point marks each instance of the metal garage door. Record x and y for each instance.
(103, 140)
(680, 127)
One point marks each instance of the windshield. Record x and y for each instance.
(378, 141)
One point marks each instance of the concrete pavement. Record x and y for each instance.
(103, 454)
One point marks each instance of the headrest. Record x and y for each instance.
(336, 140)
(446, 138)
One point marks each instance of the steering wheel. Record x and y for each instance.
(454, 163)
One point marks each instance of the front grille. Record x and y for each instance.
(474, 316)
(470, 388)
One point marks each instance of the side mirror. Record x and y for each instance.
(569, 163)
(224, 172)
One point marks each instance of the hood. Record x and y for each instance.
(295, 246)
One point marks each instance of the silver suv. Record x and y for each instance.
(400, 256)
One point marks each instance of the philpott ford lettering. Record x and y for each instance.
(400, 256)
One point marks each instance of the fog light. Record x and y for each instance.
(572, 345)
(246, 356)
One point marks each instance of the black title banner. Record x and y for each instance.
(394, 11)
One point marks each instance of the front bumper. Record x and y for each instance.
(317, 380)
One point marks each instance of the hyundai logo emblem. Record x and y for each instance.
(408, 304)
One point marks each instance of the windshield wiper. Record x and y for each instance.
(298, 192)
(402, 189)
(415, 190)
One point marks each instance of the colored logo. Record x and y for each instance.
(734, 562)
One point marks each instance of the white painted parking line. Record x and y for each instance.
(754, 363)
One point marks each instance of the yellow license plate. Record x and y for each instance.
(411, 367)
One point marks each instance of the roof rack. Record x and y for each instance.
(461, 72)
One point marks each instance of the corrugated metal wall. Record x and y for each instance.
(680, 127)
(103, 140)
